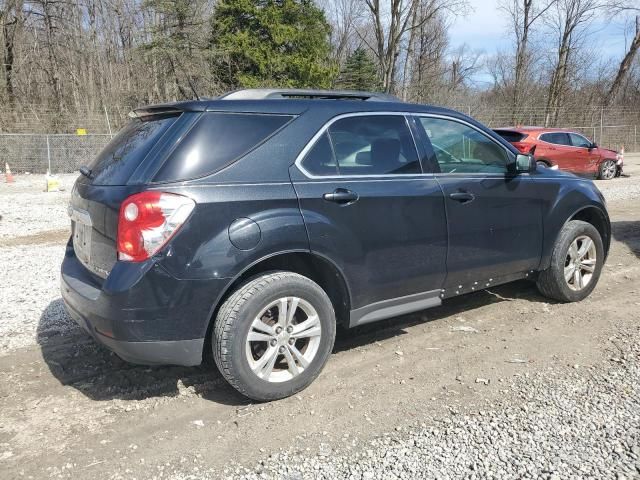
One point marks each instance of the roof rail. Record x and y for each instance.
(270, 94)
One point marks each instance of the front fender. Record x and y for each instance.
(566, 200)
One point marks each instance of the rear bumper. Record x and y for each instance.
(140, 312)
(176, 352)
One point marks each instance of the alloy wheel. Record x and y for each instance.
(283, 339)
(580, 263)
(608, 170)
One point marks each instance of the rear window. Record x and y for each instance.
(119, 159)
(511, 136)
(217, 140)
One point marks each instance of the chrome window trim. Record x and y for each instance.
(325, 127)
(408, 176)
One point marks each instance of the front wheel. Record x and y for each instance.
(576, 263)
(273, 335)
(608, 170)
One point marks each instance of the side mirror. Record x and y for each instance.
(525, 164)
(593, 145)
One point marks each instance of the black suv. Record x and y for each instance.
(251, 225)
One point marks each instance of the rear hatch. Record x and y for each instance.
(100, 190)
(515, 138)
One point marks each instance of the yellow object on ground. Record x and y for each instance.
(53, 183)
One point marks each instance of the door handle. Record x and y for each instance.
(341, 196)
(462, 197)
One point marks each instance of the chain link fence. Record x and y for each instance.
(27, 147)
(37, 153)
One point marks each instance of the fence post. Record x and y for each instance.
(48, 154)
(600, 142)
(108, 122)
(635, 138)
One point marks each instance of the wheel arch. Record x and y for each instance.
(592, 214)
(311, 265)
(599, 219)
(549, 163)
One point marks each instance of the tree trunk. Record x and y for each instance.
(625, 65)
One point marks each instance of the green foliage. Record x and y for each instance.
(282, 43)
(359, 72)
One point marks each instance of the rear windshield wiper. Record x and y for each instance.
(86, 172)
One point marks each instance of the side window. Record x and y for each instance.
(459, 148)
(320, 160)
(217, 140)
(557, 138)
(374, 145)
(579, 141)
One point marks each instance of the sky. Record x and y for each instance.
(485, 29)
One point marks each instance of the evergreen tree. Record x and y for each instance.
(282, 43)
(359, 72)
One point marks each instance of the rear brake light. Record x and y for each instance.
(522, 147)
(147, 222)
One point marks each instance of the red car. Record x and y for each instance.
(566, 150)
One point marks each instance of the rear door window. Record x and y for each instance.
(320, 160)
(216, 141)
(364, 145)
(122, 155)
(557, 138)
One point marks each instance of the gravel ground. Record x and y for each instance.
(581, 423)
(623, 188)
(29, 279)
(26, 209)
(67, 405)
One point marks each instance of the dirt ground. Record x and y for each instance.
(71, 409)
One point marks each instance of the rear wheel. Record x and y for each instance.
(273, 335)
(608, 170)
(542, 164)
(576, 263)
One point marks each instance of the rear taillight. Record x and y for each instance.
(522, 147)
(147, 222)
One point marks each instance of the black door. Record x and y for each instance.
(494, 217)
(369, 209)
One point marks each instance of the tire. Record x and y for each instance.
(542, 164)
(607, 170)
(258, 303)
(552, 282)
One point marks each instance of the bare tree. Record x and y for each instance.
(428, 64)
(344, 17)
(11, 22)
(522, 14)
(567, 23)
(625, 65)
(391, 25)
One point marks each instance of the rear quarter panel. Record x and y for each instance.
(204, 250)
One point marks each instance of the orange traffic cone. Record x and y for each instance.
(7, 173)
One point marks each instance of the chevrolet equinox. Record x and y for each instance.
(251, 225)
